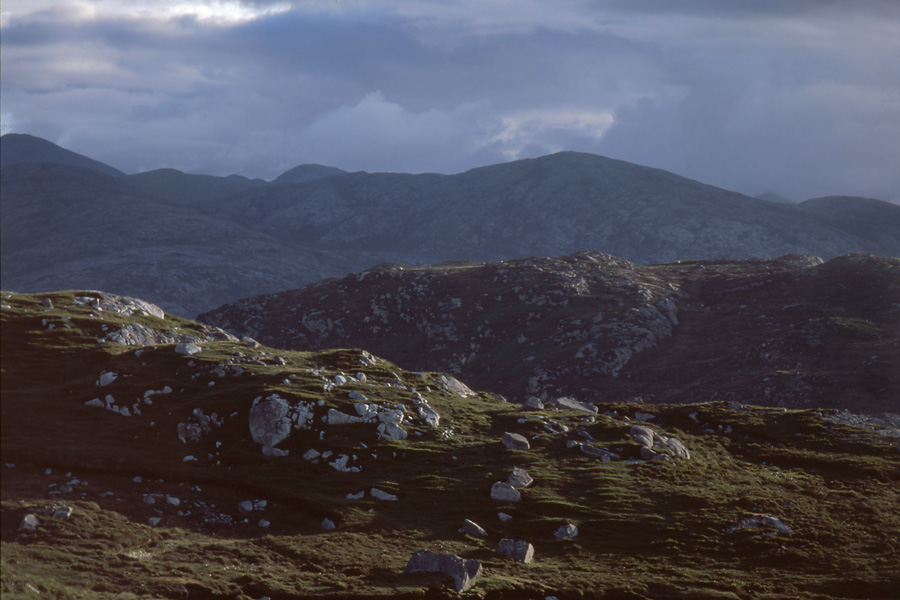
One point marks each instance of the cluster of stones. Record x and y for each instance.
(655, 446)
(109, 402)
(245, 507)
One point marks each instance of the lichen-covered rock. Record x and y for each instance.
(269, 421)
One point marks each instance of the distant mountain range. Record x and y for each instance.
(192, 242)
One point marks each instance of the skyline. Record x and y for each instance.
(801, 100)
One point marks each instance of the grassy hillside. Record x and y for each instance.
(647, 528)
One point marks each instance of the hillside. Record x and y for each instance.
(147, 467)
(64, 226)
(184, 189)
(316, 221)
(791, 332)
(21, 148)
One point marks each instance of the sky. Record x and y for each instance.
(796, 97)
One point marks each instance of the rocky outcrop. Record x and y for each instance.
(590, 328)
(655, 446)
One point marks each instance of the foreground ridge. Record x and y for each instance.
(191, 464)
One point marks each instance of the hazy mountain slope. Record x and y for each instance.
(145, 474)
(875, 220)
(304, 173)
(553, 205)
(233, 237)
(66, 227)
(184, 189)
(21, 148)
(784, 332)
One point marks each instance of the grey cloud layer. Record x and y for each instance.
(802, 97)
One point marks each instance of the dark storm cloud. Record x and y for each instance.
(797, 97)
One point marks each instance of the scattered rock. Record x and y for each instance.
(761, 521)
(382, 495)
(187, 348)
(245, 507)
(263, 524)
(648, 454)
(677, 448)
(63, 512)
(566, 403)
(357, 495)
(519, 478)
(642, 416)
(456, 386)
(532, 403)
(514, 441)
(30, 523)
(106, 378)
(336, 417)
(311, 454)
(504, 492)
(642, 435)
(604, 455)
(46, 302)
(504, 517)
(517, 549)
(274, 452)
(327, 524)
(153, 521)
(566, 532)
(473, 528)
(354, 395)
(465, 572)
(391, 431)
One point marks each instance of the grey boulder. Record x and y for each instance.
(505, 492)
(465, 572)
(516, 549)
(473, 528)
(269, 421)
(519, 478)
(514, 441)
